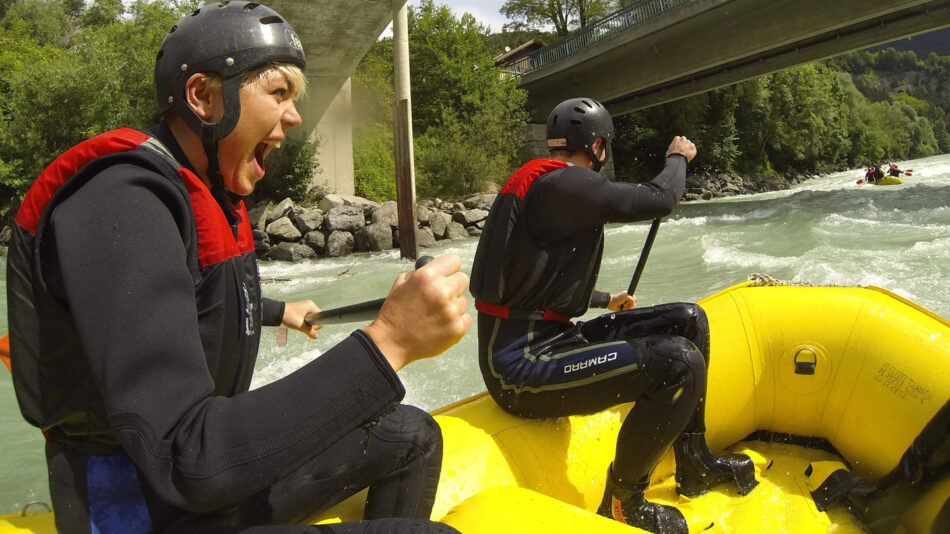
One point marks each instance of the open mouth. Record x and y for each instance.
(260, 153)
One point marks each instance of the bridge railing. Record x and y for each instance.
(608, 26)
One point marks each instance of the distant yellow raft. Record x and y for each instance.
(860, 370)
(888, 180)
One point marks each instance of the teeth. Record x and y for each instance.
(277, 144)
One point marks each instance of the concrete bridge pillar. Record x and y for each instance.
(335, 151)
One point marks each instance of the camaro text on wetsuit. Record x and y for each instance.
(571, 367)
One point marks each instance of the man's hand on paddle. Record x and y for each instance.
(682, 146)
(294, 313)
(424, 314)
(621, 301)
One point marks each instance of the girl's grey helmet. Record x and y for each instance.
(575, 124)
(226, 39)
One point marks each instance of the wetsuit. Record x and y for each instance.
(535, 269)
(135, 312)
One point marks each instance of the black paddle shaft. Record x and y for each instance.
(362, 311)
(643, 256)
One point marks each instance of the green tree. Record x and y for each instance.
(101, 74)
(562, 15)
(471, 121)
(468, 118)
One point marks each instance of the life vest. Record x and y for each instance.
(220, 257)
(517, 275)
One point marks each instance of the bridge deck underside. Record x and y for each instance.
(713, 43)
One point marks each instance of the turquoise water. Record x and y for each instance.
(827, 230)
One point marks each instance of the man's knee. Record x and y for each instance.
(410, 424)
(677, 365)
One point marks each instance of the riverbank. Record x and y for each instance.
(339, 225)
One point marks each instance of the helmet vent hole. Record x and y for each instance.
(579, 110)
(195, 12)
(576, 122)
(250, 6)
(160, 54)
(272, 19)
(175, 27)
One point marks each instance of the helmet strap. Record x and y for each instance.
(598, 163)
(218, 190)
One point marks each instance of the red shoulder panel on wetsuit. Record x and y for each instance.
(68, 164)
(215, 241)
(521, 180)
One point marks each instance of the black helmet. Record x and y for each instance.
(575, 124)
(226, 39)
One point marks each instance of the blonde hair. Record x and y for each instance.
(295, 77)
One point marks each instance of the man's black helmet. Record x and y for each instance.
(575, 124)
(227, 39)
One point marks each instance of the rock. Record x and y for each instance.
(261, 242)
(283, 230)
(308, 219)
(481, 202)
(292, 252)
(422, 214)
(280, 210)
(424, 237)
(469, 217)
(315, 240)
(339, 244)
(437, 222)
(257, 216)
(345, 219)
(454, 230)
(375, 237)
(387, 213)
(331, 201)
(473, 231)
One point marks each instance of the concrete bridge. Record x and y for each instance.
(656, 51)
(336, 34)
(651, 52)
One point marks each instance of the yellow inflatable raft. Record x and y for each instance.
(888, 180)
(839, 394)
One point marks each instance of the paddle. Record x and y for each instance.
(5, 350)
(362, 311)
(643, 256)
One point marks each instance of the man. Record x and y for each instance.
(136, 310)
(535, 269)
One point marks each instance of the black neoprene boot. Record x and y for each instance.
(698, 470)
(625, 503)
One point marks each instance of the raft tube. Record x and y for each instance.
(826, 388)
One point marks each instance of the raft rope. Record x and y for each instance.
(763, 280)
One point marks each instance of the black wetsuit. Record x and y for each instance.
(135, 313)
(535, 269)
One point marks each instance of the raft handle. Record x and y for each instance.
(26, 507)
(806, 367)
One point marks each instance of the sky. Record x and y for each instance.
(484, 11)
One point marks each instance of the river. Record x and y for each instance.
(827, 230)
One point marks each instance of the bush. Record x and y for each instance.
(374, 170)
(289, 172)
